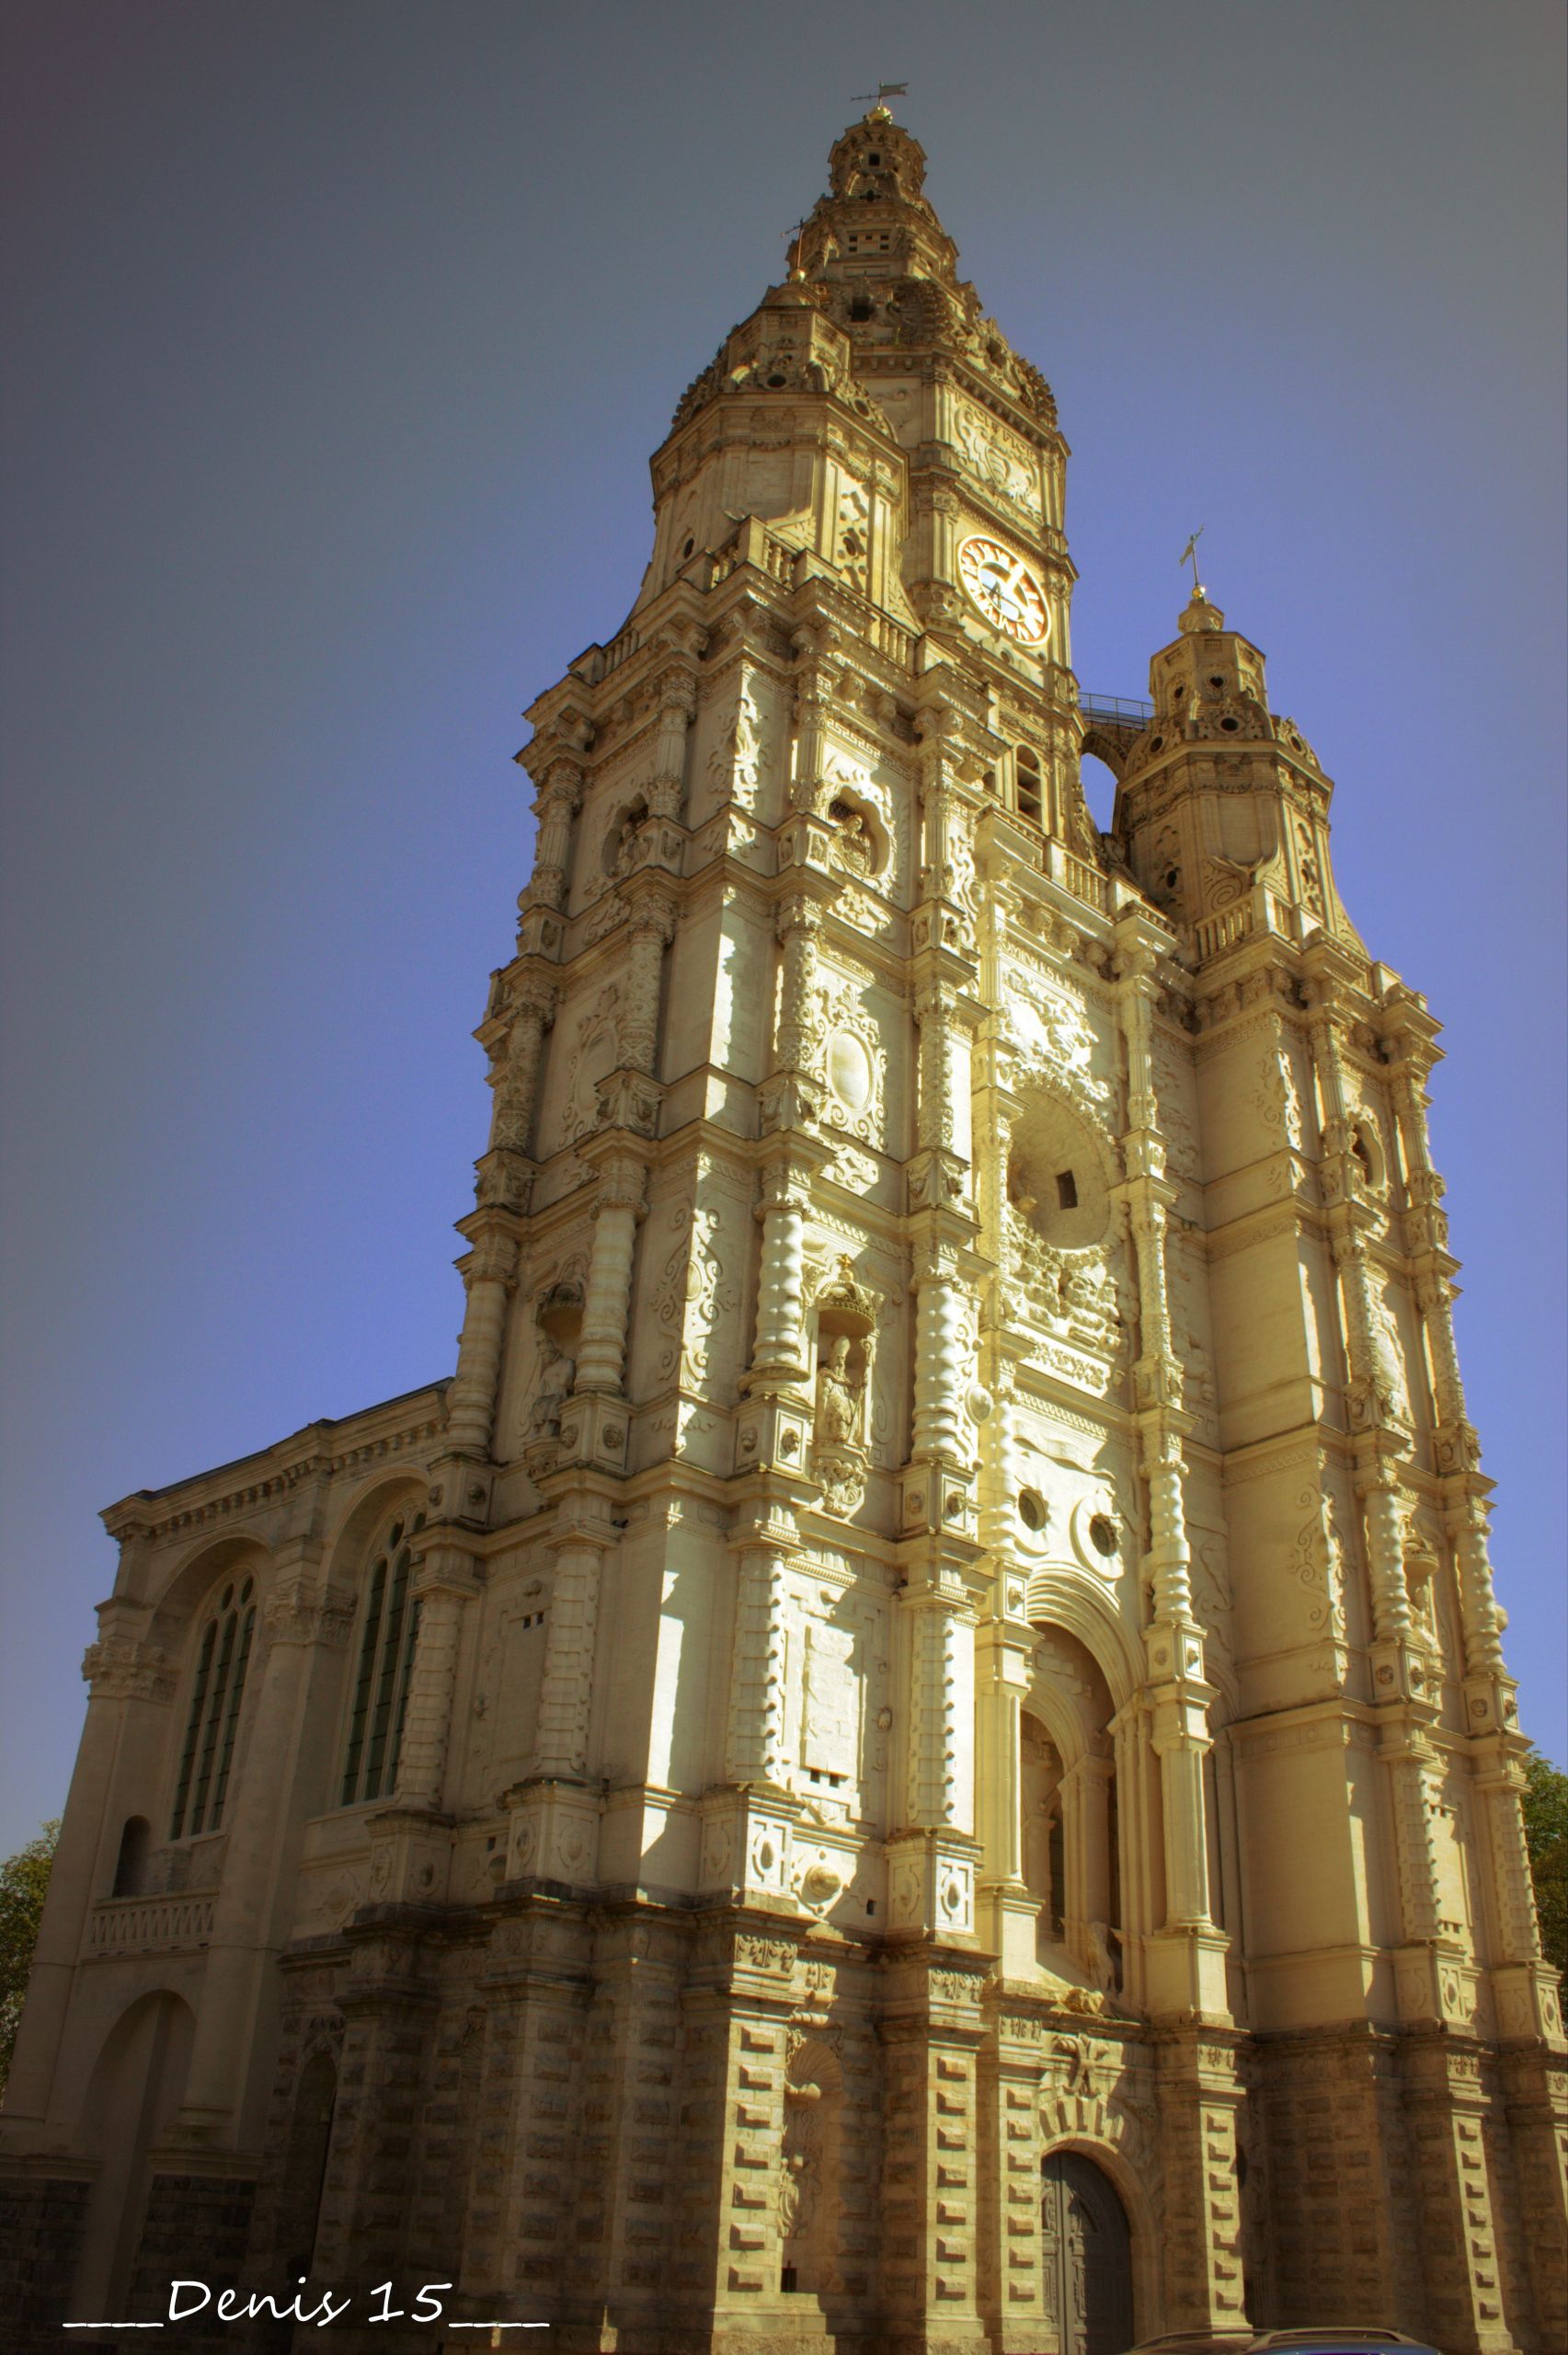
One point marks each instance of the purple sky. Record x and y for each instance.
(339, 338)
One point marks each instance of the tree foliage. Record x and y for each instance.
(24, 1878)
(1545, 1803)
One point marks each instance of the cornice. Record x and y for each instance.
(320, 1450)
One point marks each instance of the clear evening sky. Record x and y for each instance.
(339, 336)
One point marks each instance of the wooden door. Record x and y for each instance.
(1087, 2259)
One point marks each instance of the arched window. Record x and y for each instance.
(389, 1624)
(222, 1660)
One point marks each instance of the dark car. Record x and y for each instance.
(1326, 2340)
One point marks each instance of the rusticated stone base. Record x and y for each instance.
(671, 2131)
(41, 2231)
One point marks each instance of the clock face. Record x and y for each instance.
(1005, 590)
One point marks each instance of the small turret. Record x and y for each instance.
(1219, 797)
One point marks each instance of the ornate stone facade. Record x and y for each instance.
(933, 1672)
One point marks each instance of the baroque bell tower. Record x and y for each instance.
(945, 1775)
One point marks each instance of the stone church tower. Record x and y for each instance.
(914, 1752)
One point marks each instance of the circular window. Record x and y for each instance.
(1229, 726)
(1158, 745)
(1102, 1535)
(1032, 1508)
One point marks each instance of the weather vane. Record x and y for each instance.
(1191, 551)
(793, 237)
(882, 90)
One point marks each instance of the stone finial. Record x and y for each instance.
(1199, 615)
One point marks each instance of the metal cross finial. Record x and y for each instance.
(1191, 550)
(793, 236)
(882, 90)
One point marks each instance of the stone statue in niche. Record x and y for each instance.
(839, 1394)
(846, 1315)
(558, 1319)
(554, 1388)
(621, 840)
(854, 851)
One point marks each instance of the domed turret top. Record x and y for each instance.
(874, 159)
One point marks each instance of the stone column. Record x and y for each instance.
(622, 1202)
(567, 1685)
(490, 1272)
(779, 1350)
(812, 695)
(1007, 1911)
(677, 691)
(755, 1752)
(515, 1075)
(800, 1018)
(559, 801)
(650, 927)
(1455, 1447)
(444, 1585)
(1186, 1959)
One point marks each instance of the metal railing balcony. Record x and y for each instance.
(1124, 712)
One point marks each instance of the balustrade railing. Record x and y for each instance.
(150, 1924)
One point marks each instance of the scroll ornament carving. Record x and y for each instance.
(1317, 1563)
(735, 764)
(694, 1297)
(595, 1051)
(607, 913)
(1006, 466)
(1276, 1100)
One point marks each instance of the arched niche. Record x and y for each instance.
(557, 1324)
(843, 1328)
(132, 2098)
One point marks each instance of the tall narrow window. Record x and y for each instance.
(222, 1660)
(388, 1629)
(1030, 787)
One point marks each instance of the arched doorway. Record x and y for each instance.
(1087, 2255)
